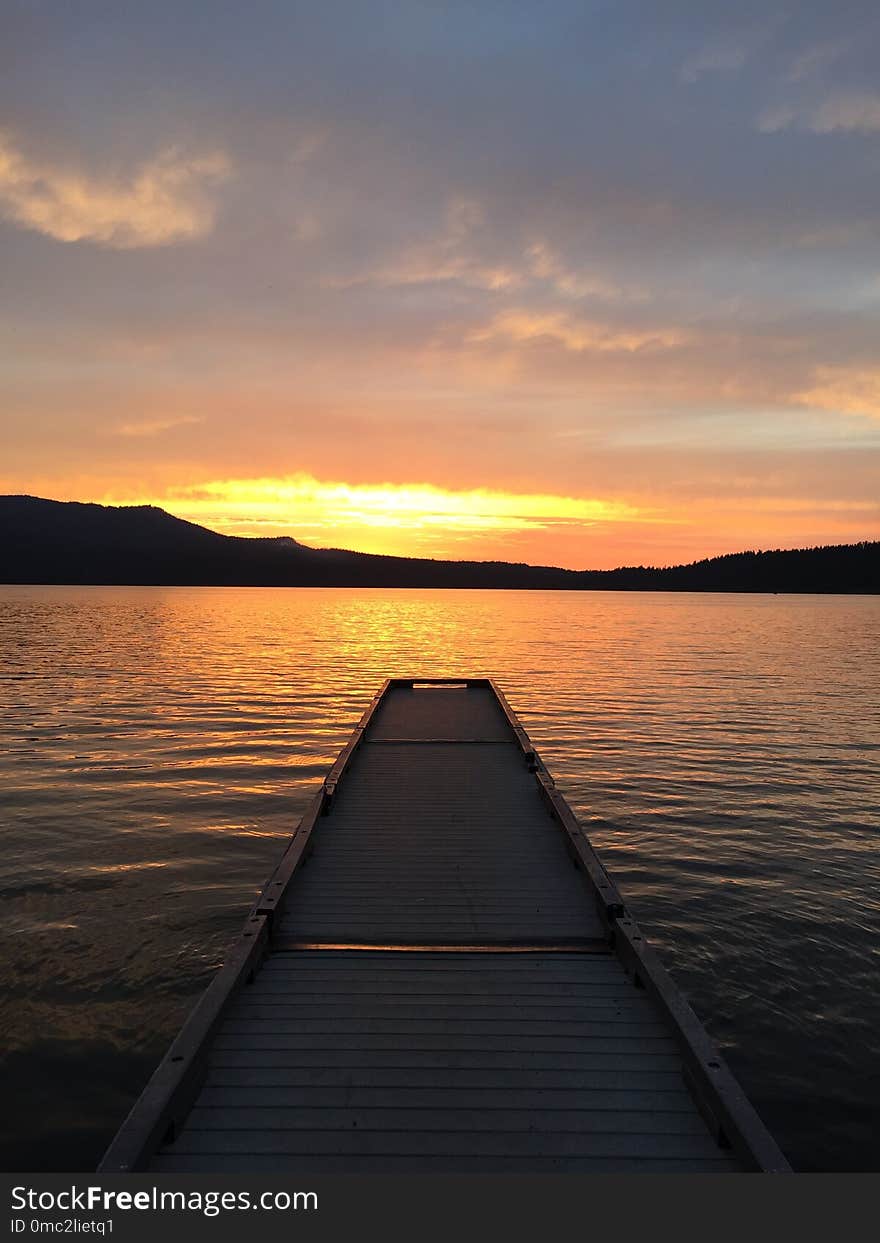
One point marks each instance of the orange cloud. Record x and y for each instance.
(165, 200)
(844, 390)
(451, 255)
(154, 427)
(573, 333)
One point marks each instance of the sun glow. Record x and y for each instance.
(416, 518)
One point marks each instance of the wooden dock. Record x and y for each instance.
(441, 976)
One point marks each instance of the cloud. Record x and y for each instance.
(854, 112)
(573, 283)
(154, 427)
(713, 60)
(425, 266)
(814, 59)
(859, 112)
(573, 333)
(843, 390)
(779, 117)
(452, 254)
(164, 200)
(468, 251)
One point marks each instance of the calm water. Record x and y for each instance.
(157, 746)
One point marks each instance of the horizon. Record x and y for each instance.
(569, 285)
(756, 551)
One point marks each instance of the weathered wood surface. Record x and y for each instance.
(439, 842)
(453, 712)
(420, 1061)
(443, 990)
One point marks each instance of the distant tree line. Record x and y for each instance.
(43, 541)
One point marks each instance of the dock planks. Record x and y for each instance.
(442, 977)
(416, 1062)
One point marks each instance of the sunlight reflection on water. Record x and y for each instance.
(157, 745)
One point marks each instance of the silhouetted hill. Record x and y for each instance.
(68, 542)
(44, 541)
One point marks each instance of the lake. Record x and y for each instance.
(157, 746)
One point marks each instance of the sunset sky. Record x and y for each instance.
(575, 283)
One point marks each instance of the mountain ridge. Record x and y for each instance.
(76, 542)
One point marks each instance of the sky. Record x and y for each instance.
(585, 284)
